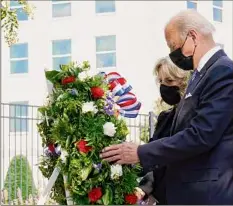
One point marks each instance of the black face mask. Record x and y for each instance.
(183, 62)
(170, 94)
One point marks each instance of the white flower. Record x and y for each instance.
(82, 76)
(63, 156)
(109, 129)
(89, 107)
(58, 149)
(116, 171)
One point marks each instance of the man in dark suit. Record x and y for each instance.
(199, 152)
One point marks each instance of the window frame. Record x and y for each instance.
(16, 8)
(20, 104)
(108, 12)
(220, 8)
(61, 2)
(61, 55)
(20, 59)
(105, 52)
(192, 1)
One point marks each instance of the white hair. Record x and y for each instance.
(190, 19)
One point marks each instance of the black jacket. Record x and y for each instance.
(154, 182)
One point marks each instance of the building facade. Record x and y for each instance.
(122, 36)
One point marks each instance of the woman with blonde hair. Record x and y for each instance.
(171, 78)
(172, 82)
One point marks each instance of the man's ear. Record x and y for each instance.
(194, 35)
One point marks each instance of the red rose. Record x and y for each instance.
(97, 92)
(51, 148)
(68, 80)
(95, 194)
(131, 199)
(82, 146)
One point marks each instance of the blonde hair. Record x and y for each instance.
(168, 69)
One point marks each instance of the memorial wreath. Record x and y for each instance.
(83, 114)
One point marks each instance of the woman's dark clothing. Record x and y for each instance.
(154, 182)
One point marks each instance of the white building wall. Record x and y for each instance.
(138, 26)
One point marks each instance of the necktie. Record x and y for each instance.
(195, 73)
(191, 80)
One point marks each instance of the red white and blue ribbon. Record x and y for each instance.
(127, 101)
(118, 84)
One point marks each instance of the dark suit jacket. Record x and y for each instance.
(164, 124)
(154, 182)
(199, 153)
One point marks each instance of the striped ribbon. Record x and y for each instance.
(127, 101)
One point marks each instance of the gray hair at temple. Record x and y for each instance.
(190, 19)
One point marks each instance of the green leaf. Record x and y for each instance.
(68, 141)
(81, 200)
(64, 67)
(79, 192)
(42, 110)
(85, 172)
(86, 65)
(107, 197)
(50, 75)
(99, 202)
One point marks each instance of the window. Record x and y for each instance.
(217, 10)
(221, 45)
(104, 6)
(106, 51)
(19, 58)
(192, 5)
(18, 116)
(217, 3)
(61, 53)
(61, 8)
(21, 15)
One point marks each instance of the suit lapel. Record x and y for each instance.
(194, 84)
(203, 71)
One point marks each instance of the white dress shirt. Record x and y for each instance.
(207, 57)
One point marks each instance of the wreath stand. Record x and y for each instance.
(45, 194)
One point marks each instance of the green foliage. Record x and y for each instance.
(32, 199)
(144, 134)
(58, 193)
(65, 123)
(19, 175)
(9, 21)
